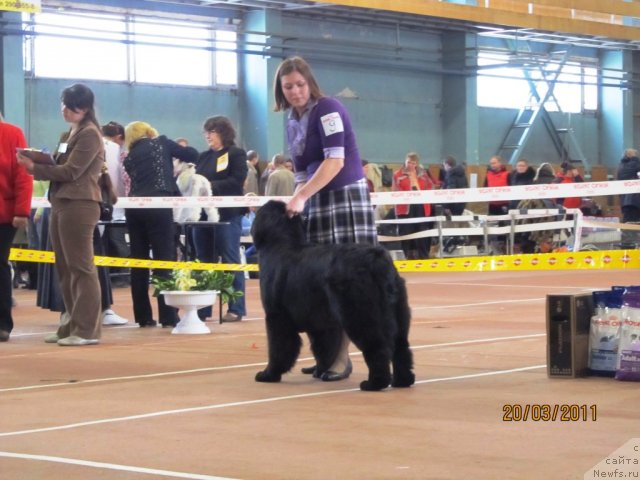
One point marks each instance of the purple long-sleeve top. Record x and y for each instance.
(323, 131)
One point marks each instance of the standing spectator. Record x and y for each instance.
(16, 186)
(281, 182)
(34, 229)
(497, 176)
(264, 177)
(289, 165)
(569, 174)
(545, 174)
(413, 177)
(522, 175)
(330, 183)
(75, 209)
(629, 169)
(149, 165)
(114, 236)
(225, 166)
(454, 177)
(252, 181)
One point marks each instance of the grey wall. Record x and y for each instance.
(403, 100)
(173, 111)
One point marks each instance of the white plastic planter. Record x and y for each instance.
(189, 302)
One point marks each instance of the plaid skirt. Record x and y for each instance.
(344, 215)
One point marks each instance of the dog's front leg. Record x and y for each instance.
(284, 348)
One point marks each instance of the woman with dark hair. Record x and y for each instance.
(330, 184)
(149, 165)
(225, 166)
(75, 198)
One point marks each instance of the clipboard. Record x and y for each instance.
(37, 156)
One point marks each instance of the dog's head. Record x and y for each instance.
(273, 227)
(180, 167)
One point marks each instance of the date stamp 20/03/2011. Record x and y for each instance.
(516, 412)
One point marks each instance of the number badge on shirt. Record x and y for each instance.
(223, 162)
(332, 123)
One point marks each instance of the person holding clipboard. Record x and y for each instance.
(75, 210)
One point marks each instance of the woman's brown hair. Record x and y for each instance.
(223, 127)
(288, 66)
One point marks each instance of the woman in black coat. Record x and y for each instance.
(225, 166)
(149, 165)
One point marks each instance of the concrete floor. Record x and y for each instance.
(148, 404)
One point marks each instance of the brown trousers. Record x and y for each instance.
(71, 232)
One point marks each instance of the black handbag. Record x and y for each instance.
(109, 197)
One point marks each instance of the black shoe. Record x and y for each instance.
(147, 323)
(330, 376)
(308, 370)
(311, 371)
(169, 325)
(4, 336)
(231, 317)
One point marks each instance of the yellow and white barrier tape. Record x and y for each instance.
(555, 190)
(598, 260)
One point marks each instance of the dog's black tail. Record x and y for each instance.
(402, 357)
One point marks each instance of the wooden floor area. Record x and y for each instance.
(145, 404)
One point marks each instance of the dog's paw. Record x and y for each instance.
(369, 386)
(404, 380)
(267, 377)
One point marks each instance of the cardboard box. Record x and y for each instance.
(568, 322)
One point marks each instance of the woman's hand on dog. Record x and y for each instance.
(295, 205)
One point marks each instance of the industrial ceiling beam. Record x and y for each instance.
(504, 12)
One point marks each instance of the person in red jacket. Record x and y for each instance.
(413, 177)
(16, 186)
(497, 176)
(569, 174)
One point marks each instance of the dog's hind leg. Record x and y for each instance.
(377, 356)
(402, 359)
(284, 348)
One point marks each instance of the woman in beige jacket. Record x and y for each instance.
(75, 198)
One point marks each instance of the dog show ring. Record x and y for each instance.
(189, 302)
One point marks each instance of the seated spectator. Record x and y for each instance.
(522, 175)
(497, 176)
(413, 177)
(569, 174)
(629, 169)
(455, 176)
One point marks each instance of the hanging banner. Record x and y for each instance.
(26, 6)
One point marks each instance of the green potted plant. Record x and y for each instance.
(189, 290)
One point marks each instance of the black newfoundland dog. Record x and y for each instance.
(325, 289)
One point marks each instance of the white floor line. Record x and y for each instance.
(111, 466)
(546, 287)
(246, 365)
(481, 340)
(478, 304)
(248, 402)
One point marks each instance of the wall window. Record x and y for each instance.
(510, 86)
(56, 53)
(171, 54)
(129, 48)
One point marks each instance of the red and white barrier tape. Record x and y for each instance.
(559, 190)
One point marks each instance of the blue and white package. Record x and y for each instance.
(628, 367)
(604, 333)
